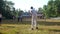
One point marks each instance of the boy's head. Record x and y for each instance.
(31, 7)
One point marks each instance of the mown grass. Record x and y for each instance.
(14, 27)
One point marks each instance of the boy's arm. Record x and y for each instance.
(30, 12)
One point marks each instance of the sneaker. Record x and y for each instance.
(32, 29)
(36, 27)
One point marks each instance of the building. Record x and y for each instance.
(28, 15)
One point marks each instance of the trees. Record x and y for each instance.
(9, 9)
(40, 10)
(52, 9)
(1, 5)
(20, 12)
(57, 4)
(6, 8)
(45, 11)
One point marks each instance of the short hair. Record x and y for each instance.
(31, 7)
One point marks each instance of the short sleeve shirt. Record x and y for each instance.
(33, 12)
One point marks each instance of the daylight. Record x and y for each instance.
(29, 16)
(26, 4)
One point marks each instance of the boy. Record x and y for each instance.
(34, 18)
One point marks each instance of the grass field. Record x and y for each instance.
(14, 27)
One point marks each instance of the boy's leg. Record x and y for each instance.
(32, 23)
(35, 22)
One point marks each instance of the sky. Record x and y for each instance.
(26, 4)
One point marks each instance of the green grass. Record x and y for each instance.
(14, 27)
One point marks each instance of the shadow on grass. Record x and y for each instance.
(29, 22)
(1, 33)
(54, 30)
(49, 23)
(10, 26)
(50, 30)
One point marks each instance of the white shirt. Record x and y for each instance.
(33, 12)
(0, 16)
